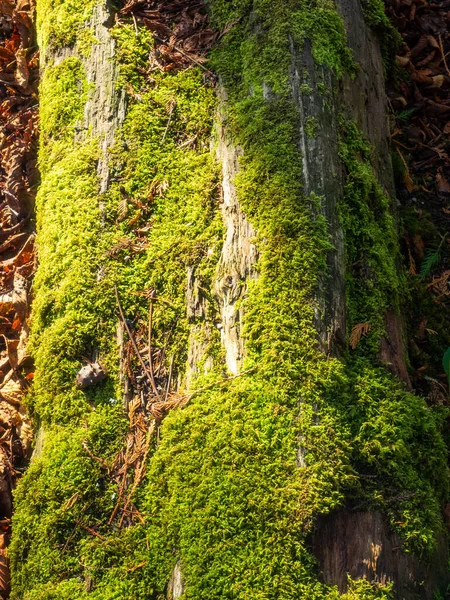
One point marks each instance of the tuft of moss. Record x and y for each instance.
(59, 22)
(363, 590)
(68, 311)
(390, 39)
(311, 126)
(374, 282)
(63, 491)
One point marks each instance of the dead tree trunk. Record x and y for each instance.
(217, 183)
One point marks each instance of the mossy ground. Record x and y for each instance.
(223, 493)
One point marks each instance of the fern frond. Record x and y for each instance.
(430, 260)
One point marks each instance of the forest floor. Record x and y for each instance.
(418, 93)
(18, 179)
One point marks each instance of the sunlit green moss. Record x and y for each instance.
(371, 237)
(60, 21)
(390, 39)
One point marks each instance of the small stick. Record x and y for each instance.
(69, 539)
(150, 359)
(170, 378)
(90, 530)
(168, 122)
(443, 55)
(135, 25)
(161, 41)
(139, 566)
(133, 341)
(187, 142)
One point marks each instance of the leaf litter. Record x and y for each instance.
(18, 178)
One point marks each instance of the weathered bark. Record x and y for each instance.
(239, 254)
(362, 545)
(104, 109)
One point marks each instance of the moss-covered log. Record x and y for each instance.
(250, 204)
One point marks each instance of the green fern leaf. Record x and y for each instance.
(446, 364)
(430, 260)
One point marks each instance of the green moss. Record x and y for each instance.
(73, 489)
(85, 41)
(371, 238)
(166, 165)
(363, 590)
(60, 21)
(133, 52)
(223, 487)
(390, 39)
(64, 89)
(68, 310)
(306, 89)
(170, 175)
(73, 316)
(311, 126)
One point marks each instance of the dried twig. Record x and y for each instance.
(169, 378)
(133, 341)
(441, 47)
(140, 565)
(140, 470)
(90, 530)
(150, 359)
(172, 108)
(135, 25)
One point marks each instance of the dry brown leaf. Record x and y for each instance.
(402, 61)
(358, 331)
(122, 209)
(407, 179)
(442, 184)
(22, 73)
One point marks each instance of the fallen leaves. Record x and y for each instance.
(425, 96)
(180, 28)
(18, 176)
